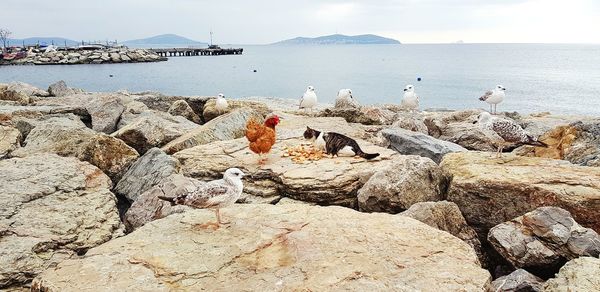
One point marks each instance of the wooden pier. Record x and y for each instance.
(186, 52)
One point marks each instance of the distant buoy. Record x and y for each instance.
(110, 75)
(418, 78)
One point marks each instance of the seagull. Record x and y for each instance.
(214, 194)
(221, 103)
(410, 99)
(345, 99)
(494, 97)
(309, 99)
(508, 130)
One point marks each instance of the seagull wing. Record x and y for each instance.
(207, 195)
(509, 131)
(486, 95)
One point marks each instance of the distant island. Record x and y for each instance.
(340, 39)
(164, 39)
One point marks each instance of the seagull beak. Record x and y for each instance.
(474, 122)
(503, 88)
(405, 89)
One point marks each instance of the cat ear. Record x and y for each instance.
(307, 127)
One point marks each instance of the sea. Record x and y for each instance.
(556, 78)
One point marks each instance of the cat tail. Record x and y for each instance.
(367, 156)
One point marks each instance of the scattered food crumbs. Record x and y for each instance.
(301, 154)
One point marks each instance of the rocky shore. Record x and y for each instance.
(97, 56)
(80, 173)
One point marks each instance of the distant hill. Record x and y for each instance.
(164, 39)
(339, 39)
(43, 41)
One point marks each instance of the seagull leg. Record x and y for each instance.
(219, 221)
(491, 107)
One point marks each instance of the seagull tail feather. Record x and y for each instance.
(171, 200)
(535, 142)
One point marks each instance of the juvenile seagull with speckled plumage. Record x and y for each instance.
(509, 131)
(214, 195)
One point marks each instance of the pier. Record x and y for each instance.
(185, 52)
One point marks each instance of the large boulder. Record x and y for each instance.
(226, 127)
(273, 248)
(153, 129)
(490, 191)
(182, 108)
(148, 207)
(543, 239)
(160, 102)
(410, 121)
(519, 280)
(60, 89)
(9, 112)
(445, 216)
(405, 181)
(327, 181)
(149, 170)
(581, 274)
(362, 115)
(67, 137)
(27, 89)
(10, 140)
(413, 143)
(578, 143)
(210, 112)
(52, 209)
(11, 95)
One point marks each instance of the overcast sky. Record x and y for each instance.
(255, 22)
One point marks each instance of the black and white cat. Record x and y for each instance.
(335, 143)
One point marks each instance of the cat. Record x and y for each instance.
(333, 143)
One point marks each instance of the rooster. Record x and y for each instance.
(261, 137)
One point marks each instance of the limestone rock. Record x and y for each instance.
(519, 280)
(147, 207)
(543, 238)
(60, 89)
(445, 216)
(413, 143)
(210, 112)
(362, 115)
(153, 129)
(105, 114)
(52, 208)
(149, 170)
(160, 102)
(578, 143)
(27, 89)
(326, 181)
(272, 248)
(405, 181)
(410, 121)
(182, 108)
(67, 137)
(490, 191)
(580, 274)
(227, 127)
(17, 97)
(10, 140)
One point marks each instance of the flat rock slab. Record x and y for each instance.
(413, 143)
(581, 274)
(490, 191)
(327, 181)
(275, 248)
(52, 208)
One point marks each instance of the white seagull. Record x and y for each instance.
(309, 99)
(214, 194)
(410, 99)
(221, 104)
(509, 131)
(494, 97)
(345, 99)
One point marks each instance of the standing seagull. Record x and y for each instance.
(494, 97)
(309, 99)
(214, 194)
(410, 99)
(345, 99)
(221, 104)
(508, 130)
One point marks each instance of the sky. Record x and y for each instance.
(267, 21)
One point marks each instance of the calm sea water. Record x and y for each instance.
(561, 79)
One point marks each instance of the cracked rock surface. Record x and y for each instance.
(52, 208)
(275, 248)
